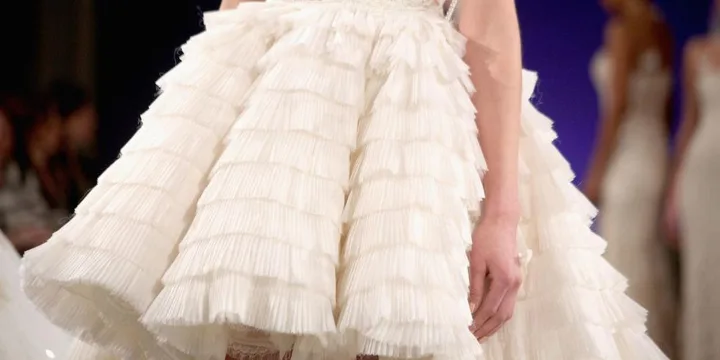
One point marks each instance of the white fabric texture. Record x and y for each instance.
(308, 180)
(699, 208)
(25, 334)
(633, 192)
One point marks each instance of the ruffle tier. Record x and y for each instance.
(307, 182)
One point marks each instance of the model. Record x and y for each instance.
(309, 181)
(697, 175)
(633, 77)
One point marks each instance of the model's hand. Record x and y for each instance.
(495, 275)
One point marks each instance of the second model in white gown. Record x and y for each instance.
(633, 191)
(25, 334)
(699, 197)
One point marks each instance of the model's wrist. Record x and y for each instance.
(502, 207)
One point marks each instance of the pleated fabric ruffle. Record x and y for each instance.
(306, 184)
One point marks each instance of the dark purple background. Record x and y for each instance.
(559, 38)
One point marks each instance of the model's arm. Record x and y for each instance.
(493, 55)
(613, 108)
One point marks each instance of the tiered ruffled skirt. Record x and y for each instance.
(307, 181)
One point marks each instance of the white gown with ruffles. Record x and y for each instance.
(308, 180)
(699, 205)
(633, 192)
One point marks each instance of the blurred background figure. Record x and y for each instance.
(24, 213)
(632, 73)
(47, 160)
(69, 105)
(695, 195)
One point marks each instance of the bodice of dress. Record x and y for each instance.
(649, 88)
(395, 4)
(649, 85)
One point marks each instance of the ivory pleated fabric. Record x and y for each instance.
(307, 182)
